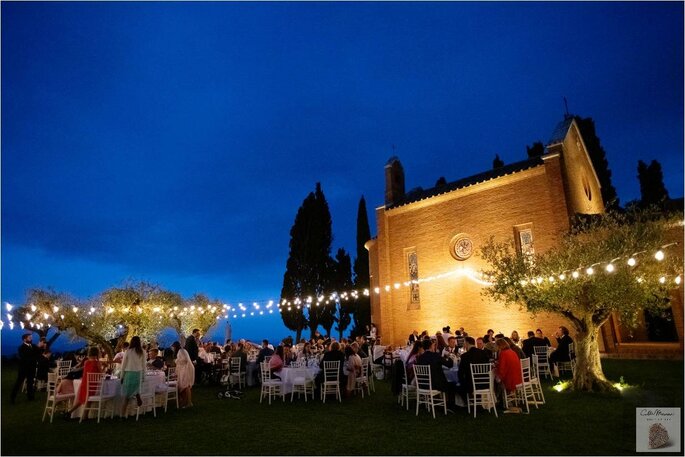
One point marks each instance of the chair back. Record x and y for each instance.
(52, 384)
(171, 374)
(235, 364)
(267, 358)
(541, 353)
(525, 370)
(331, 371)
(266, 372)
(480, 375)
(365, 367)
(94, 384)
(64, 364)
(422, 374)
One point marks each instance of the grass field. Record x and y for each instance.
(569, 424)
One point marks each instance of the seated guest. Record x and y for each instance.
(515, 348)
(169, 357)
(479, 343)
(120, 355)
(538, 334)
(91, 365)
(289, 355)
(446, 333)
(508, 367)
(240, 353)
(276, 363)
(561, 354)
(440, 342)
(352, 369)
(471, 355)
(416, 350)
(451, 348)
(154, 360)
(332, 355)
(515, 338)
(530, 343)
(265, 351)
(490, 344)
(432, 358)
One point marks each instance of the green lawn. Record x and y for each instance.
(568, 424)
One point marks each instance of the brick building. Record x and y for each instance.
(426, 233)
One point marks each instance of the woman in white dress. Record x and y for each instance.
(185, 373)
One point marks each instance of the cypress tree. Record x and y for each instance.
(343, 281)
(652, 189)
(497, 162)
(295, 279)
(362, 312)
(536, 150)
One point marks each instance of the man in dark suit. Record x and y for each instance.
(191, 344)
(28, 360)
(530, 343)
(433, 359)
(193, 352)
(265, 351)
(471, 355)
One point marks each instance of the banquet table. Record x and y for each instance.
(113, 386)
(288, 375)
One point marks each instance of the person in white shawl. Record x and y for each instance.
(185, 373)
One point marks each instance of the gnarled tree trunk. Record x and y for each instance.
(588, 375)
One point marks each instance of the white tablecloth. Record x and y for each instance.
(288, 376)
(113, 386)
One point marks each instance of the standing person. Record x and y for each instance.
(352, 369)
(132, 372)
(508, 367)
(192, 344)
(373, 332)
(28, 359)
(91, 365)
(185, 373)
(561, 354)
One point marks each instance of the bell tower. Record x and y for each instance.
(394, 181)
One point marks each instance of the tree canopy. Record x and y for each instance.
(622, 263)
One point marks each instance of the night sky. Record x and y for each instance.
(174, 142)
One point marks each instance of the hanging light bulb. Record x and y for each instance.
(677, 279)
(659, 255)
(590, 271)
(631, 262)
(562, 276)
(575, 275)
(610, 268)
(662, 279)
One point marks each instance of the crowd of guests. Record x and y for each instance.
(445, 349)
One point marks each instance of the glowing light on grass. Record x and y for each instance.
(561, 386)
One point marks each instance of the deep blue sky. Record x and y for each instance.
(174, 142)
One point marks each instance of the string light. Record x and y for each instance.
(631, 262)
(610, 268)
(659, 255)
